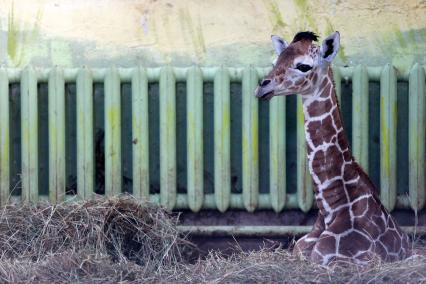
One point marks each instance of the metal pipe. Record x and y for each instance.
(4, 137)
(305, 194)
(85, 153)
(29, 135)
(167, 138)
(194, 142)
(416, 137)
(277, 154)
(360, 103)
(57, 174)
(140, 133)
(264, 231)
(250, 140)
(113, 173)
(222, 136)
(388, 117)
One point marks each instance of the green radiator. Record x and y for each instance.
(274, 188)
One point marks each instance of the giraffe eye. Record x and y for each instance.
(303, 67)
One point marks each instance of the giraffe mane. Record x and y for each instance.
(307, 35)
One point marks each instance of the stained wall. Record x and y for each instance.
(221, 32)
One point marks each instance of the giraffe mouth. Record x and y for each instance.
(264, 93)
(267, 96)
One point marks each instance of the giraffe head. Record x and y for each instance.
(299, 65)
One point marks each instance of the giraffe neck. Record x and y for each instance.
(327, 146)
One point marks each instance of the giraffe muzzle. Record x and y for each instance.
(265, 90)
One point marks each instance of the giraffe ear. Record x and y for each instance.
(279, 44)
(330, 47)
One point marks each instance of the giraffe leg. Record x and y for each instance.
(305, 244)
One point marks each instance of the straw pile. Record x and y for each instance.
(279, 266)
(120, 240)
(103, 240)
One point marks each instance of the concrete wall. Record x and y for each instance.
(220, 32)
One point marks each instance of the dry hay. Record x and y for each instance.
(72, 267)
(264, 266)
(92, 238)
(120, 240)
(279, 266)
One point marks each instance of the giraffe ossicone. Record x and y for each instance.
(352, 223)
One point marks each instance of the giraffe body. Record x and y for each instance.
(352, 223)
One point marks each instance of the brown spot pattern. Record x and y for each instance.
(334, 194)
(318, 108)
(324, 163)
(327, 89)
(327, 244)
(353, 243)
(341, 223)
(321, 132)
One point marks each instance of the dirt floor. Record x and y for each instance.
(119, 240)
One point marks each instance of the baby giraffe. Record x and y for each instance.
(352, 224)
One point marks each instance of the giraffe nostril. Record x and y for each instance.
(265, 82)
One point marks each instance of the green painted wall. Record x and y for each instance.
(182, 32)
